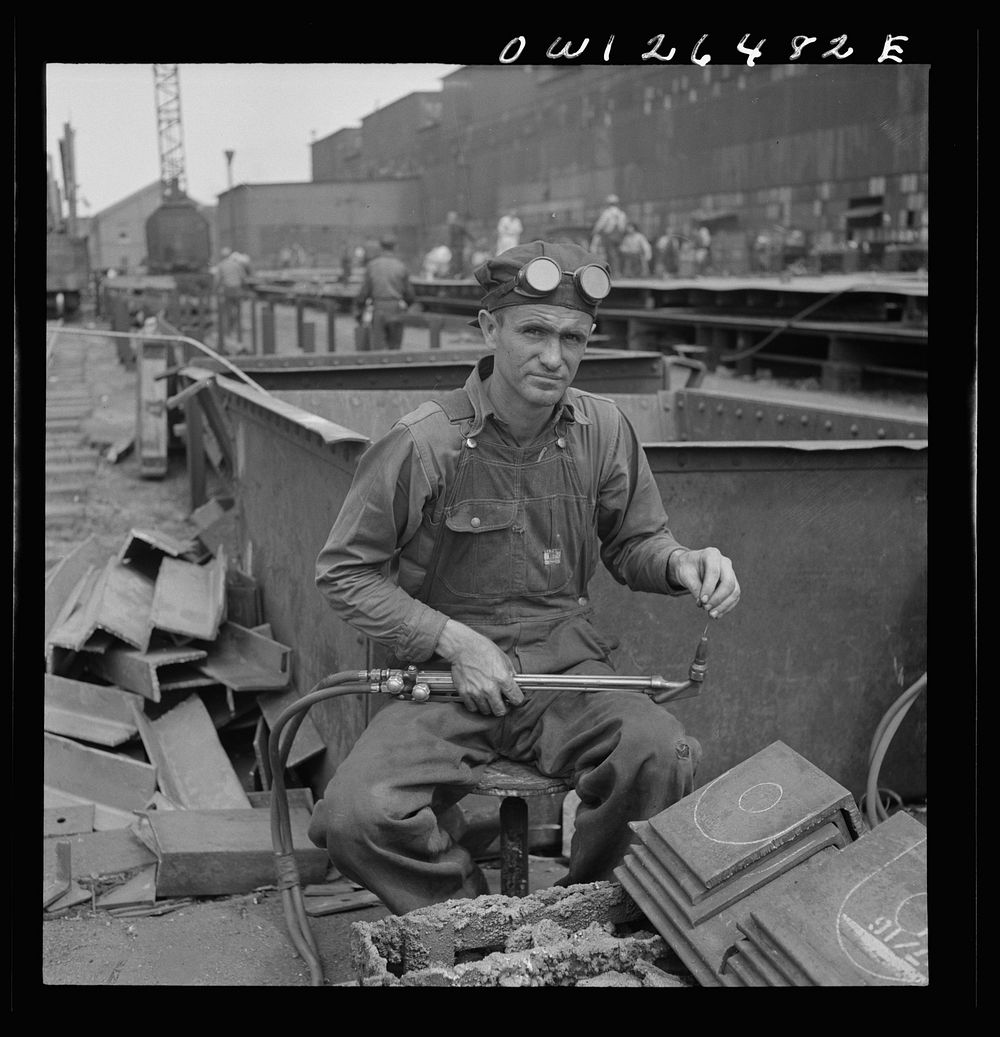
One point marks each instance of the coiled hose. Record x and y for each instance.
(882, 738)
(348, 682)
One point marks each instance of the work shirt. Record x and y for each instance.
(636, 244)
(509, 230)
(231, 272)
(611, 221)
(386, 280)
(374, 567)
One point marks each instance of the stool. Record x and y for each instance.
(513, 783)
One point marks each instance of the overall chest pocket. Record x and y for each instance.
(478, 555)
(554, 531)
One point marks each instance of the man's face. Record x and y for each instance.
(538, 349)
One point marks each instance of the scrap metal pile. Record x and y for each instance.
(160, 680)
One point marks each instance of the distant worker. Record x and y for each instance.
(509, 231)
(230, 278)
(703, 249)
(608, 233)
(387, 284)
(459, 240)
(636, 252)
(665, 256)
(437, 262)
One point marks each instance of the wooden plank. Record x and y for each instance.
(308, 742)
(220, 852)
(95, 854)
(98, 775)
(190, 599)
(138, 891)
(70, 820)
(62, 580)
(192, 767)
(89, 712)
(140, 672)
(245, 661)
(151, 419)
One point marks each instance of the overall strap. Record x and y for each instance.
(457, 407)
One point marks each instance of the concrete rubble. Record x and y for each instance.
(588, 934)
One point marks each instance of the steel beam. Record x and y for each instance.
(601, 370)
(192, 767)
(142, 672)
(190, 599)
(88, 712)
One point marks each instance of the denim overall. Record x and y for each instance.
(516, 544)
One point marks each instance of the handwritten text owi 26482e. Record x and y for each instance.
(659, 49)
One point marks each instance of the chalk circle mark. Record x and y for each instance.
(881, 953)
(911, 914)
(764, 796)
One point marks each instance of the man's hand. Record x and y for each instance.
(708, 575)
(483, 675)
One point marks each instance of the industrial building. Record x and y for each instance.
(829, 162)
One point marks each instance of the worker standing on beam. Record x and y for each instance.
(468, 540)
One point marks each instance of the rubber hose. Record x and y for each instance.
(897, 711)
(910, 693)
(296, 919)
(901, 703)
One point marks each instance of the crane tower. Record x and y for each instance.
(168, 124)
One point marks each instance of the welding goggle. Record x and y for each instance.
(542, 275)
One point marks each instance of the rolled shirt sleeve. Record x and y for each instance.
(383, 510)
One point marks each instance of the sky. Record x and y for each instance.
(268, 114)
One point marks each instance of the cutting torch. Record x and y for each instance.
(439, 686)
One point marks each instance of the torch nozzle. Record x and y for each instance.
(699, 665)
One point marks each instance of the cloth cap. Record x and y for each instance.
(503, 269)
